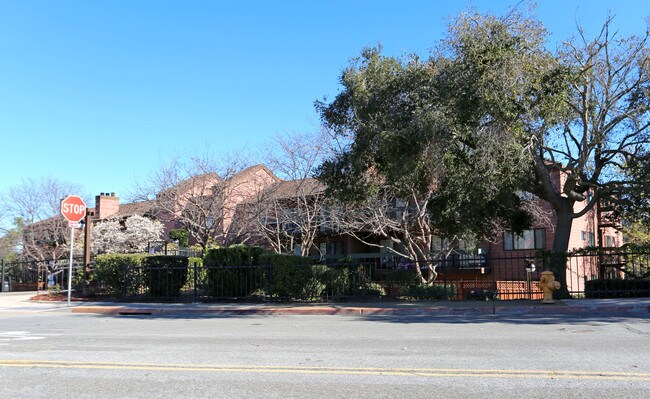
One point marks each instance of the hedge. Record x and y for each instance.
(433, 291)
(111, 270)
(234, 271)
(241, 271)
(164, 276)
(122, 275)
(617, 288)
(201, 275)
(294, 277)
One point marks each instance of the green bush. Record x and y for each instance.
(617, 288)
(164, 276)
(234, 255)
(336, 279)
(110, 272)
(201, 273)
(235, 271)
(180, 235)
(372, 289)
(78, 279)
(345, 278)
(402, 278)
(294, 277)
(433, 291)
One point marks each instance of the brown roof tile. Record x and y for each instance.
(294, 188)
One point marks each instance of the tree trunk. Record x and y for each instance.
(564, 215)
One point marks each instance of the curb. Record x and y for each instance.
(298, 311)
(363, 311)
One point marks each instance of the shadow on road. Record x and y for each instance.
(520, 319)
(524, 319)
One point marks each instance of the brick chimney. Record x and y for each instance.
(106, 205)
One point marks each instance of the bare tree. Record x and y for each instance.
(289, 214)
(200, 194)
(604, 131)
(398, 226)
(34, 205)
(185, 194)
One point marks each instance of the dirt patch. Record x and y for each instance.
(62, 297)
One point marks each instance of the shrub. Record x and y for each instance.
(118, 274)
(196, 264)
(372, 289)
(164, 276)
(180, 235)
(294, 276)
(617, 288)
(480, 294)
(234, 271)
(336, 279)
(402, 278)
(346, 278)
(424, 291)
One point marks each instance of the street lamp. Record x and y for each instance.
(530, 267)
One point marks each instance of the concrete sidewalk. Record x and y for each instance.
(637, 307)
(20, 301)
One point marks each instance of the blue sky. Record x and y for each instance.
(98, 93)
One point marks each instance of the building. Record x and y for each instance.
(502, 263)
(254, 206)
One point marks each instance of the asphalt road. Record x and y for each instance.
(53, 353)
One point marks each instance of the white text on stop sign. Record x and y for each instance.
(75, 209)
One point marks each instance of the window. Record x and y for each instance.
(209, 222)
(610, 241)
(331, 248)
(385, 246)
(529, 239)
(439, 244)
(590, 237)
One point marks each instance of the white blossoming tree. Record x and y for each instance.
(132, 235)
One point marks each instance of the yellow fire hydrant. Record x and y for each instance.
(548, 284)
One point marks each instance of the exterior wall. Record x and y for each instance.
(507, 267)
(194, 187)
(169, 224)
(241, 187)
(354, 246)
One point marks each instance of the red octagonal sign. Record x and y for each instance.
(73, 208)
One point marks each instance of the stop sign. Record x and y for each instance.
(73, 208)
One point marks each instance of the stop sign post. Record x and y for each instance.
(73, 209)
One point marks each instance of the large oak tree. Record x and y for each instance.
(493, 114)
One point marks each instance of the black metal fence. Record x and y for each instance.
(39, 275)
(597, 274)
(172, 249)
(303, 283)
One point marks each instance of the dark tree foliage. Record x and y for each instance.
(407, 129)
(493, 117)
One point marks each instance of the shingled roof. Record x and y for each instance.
(294, 188)
(247, 173)
(188, 184)
(141, 208)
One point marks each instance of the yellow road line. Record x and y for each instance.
(419, 372)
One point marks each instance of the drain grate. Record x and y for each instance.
(136, 313)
